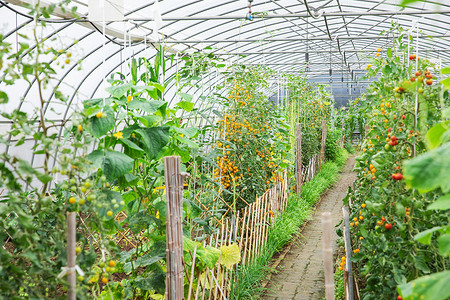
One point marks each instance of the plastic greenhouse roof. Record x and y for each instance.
(340, 34)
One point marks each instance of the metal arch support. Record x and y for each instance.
(300, 15)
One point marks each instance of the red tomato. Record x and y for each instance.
(388, 226)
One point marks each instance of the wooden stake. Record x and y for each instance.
(348, 253)
(324, 138)
(71, 255)
(174, 232)
(327, 256)
(192, 273)
(366, 130)
(299, 159)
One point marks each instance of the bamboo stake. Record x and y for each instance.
(324, 138)
(245, 236)
(71, 255)
(174, 233)
(191, 281)
(204, 284)
(218, 266)
(211, 281)
(348, 252)
(258, 226)
(251, 247)
(265, 221)
(299, 159)
(327, 255)
(198, 286)
(254, 229)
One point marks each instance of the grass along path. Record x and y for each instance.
(300, 273)
(251, 278)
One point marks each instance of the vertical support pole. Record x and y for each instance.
(174, 240)
(327, 256)
(348, 253)
(324, 138)
(71, 255)
(366, 130)
(299, 159)
(343, 136)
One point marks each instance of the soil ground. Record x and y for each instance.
(300, 274)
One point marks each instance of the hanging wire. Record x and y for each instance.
(104, 48)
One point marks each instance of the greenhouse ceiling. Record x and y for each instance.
(311, 36)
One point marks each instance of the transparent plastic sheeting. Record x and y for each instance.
(336, 34)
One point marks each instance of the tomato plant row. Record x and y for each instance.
(392, 202)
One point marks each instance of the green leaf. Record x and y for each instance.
(230, 255)
(44, 178)
(113, 163)
(154, 139)
(373, 206)
(446, 83)
(188, 142)
(389, 52)
(100, 126)
(445, 70)
(430, 170)
(141, 221)
(208, 255)
(386, 70)
(419, 262)
(444, 244)
(129, 144)
(407, 2)
(153, 281)
(3, 97)
(186, 105)
(189, 131)
(400, 209)
(133, 70)
(148, 106)
(147, 260)
(434, 286)
(186, 97)
(424, 237)
(443, 203)
(117, 91)
(150, 120)
(434, 135)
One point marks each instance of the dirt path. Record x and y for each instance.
(300, 273)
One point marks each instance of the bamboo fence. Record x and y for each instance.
(249, 230)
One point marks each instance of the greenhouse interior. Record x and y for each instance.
(276, 149)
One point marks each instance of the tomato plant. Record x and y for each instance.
(393, 212)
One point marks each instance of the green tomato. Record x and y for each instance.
(387, 147)
(91, 197)
(83, 189)
(80, 278)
